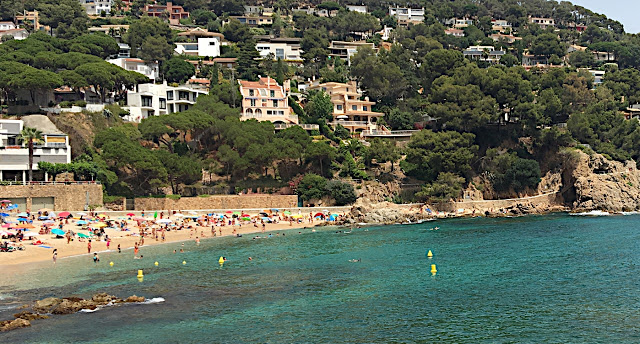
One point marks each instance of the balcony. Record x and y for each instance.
(309, 127)
(363, 124)
(386, 133)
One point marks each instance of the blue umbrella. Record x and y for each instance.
(22, 219)
(57, 231)
(43, 218)
(82, 222)
(4, 214)
(23, 215)
(276, 210)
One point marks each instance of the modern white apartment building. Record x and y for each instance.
(154, 100)
(151, 70)
(7, 25)
(199, 42)
(357, 8)
(406, 16)
(265, 100)
(96, 7)
(14, 154)
(287, 49)
(345, 50)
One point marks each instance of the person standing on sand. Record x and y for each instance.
(108, 243)
(89, 246)
(163, 238)
(119, 249)
(55, 255)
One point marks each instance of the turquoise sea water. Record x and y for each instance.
(538, 279)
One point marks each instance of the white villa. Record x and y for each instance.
(154, 100)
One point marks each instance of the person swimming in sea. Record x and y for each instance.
(96, 259)
(355, 260)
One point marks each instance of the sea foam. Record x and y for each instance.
(592, 213)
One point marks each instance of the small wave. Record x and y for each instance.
(154, 300)
(593, 213)
(630, 212)
(88, 310)
(5, 296)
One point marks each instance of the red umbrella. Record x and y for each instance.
(245, 215)
(319, 214)
(139, 218)
(229, 212)
(64, 214)
(130, 214)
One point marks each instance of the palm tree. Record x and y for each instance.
(30, 135)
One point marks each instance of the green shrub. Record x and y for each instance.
(343, 193)
(80, 103)
(65, 104)
(173, 197)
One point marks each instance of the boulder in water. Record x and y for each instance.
(46, 305)
(135, 298)
(13, 324)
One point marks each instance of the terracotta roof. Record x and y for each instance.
(200, 32)
(262, 83)
(131, 59)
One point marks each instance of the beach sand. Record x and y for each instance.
(125, 239)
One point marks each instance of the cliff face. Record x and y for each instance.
(600, 184)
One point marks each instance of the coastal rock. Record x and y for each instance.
(29, 316)
(14, 324)
(72, 305)
(46, 305)
(135, 298)
(103, 298)
(601, 184)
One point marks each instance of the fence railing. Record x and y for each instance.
(12, 182)
(389, 133)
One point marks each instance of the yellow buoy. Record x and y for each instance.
(184, 262)
(156, 263)
(140, 274)
(140, 278)
(111, 263)
(433, 269)
(429, 254)
(221, 260)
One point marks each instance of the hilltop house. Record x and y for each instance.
(454, 32)
(14, 155)
(287, 49)
(265, 100)
(357, 8)
(96, 7)
(175, 13)
(199, 42)
(406, 15)
(349, 110)
(150, 70)
(483, 53)
(345, 50)
(160, 99)
(500, 25)
(30, 19)
(544, 23)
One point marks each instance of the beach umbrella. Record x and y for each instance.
(131, 214)
(4, 214)
(101, 216)
(6, 225)
(23, 219)
(268, 219)
(81, 214)
(48, 221)
(264, 214)
(164, 221)
(64, 214)
(5, 201)
(6, 233)
(319, 215)
(100, 225)
(333, 217)
(31, 234)
(139, 218)
(179, 215)
(286, 212)
(237, 212)
(193, 213)
(297, 216)
(245, 218)
(229, 212)
(57, 231)
(42, 218)
(25, 226)
(23, 215)
(82, 235)
(81, 222)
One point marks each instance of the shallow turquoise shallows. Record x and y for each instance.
(538, 279)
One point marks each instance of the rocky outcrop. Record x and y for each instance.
(135, 298)
(9, 325)
(67, 305)
(601, 184)
(383, 213)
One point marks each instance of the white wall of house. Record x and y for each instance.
(154, 100)
(151, 71)
(285, 51)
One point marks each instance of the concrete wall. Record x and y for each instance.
(218, 202)
(66, 197)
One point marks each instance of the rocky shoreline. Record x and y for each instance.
(45, 308)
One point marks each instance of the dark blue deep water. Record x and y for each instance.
(538, 279)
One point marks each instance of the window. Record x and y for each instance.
(183, 95)
(272, 93)
(275, 103)
(146, 101)
(251, 93)
(269, 112)
(365, 108)
(163, 103)
(280, 53)
(170, 95)
(354, 107)
(212, 43)
(263, 92)
(253, 102)
(339, 107)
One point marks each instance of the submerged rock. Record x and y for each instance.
(29, 316)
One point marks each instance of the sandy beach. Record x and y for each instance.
(127, 239)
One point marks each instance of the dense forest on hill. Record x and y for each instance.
(498, 125)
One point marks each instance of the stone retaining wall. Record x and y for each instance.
(66, 197)
(218, 202)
